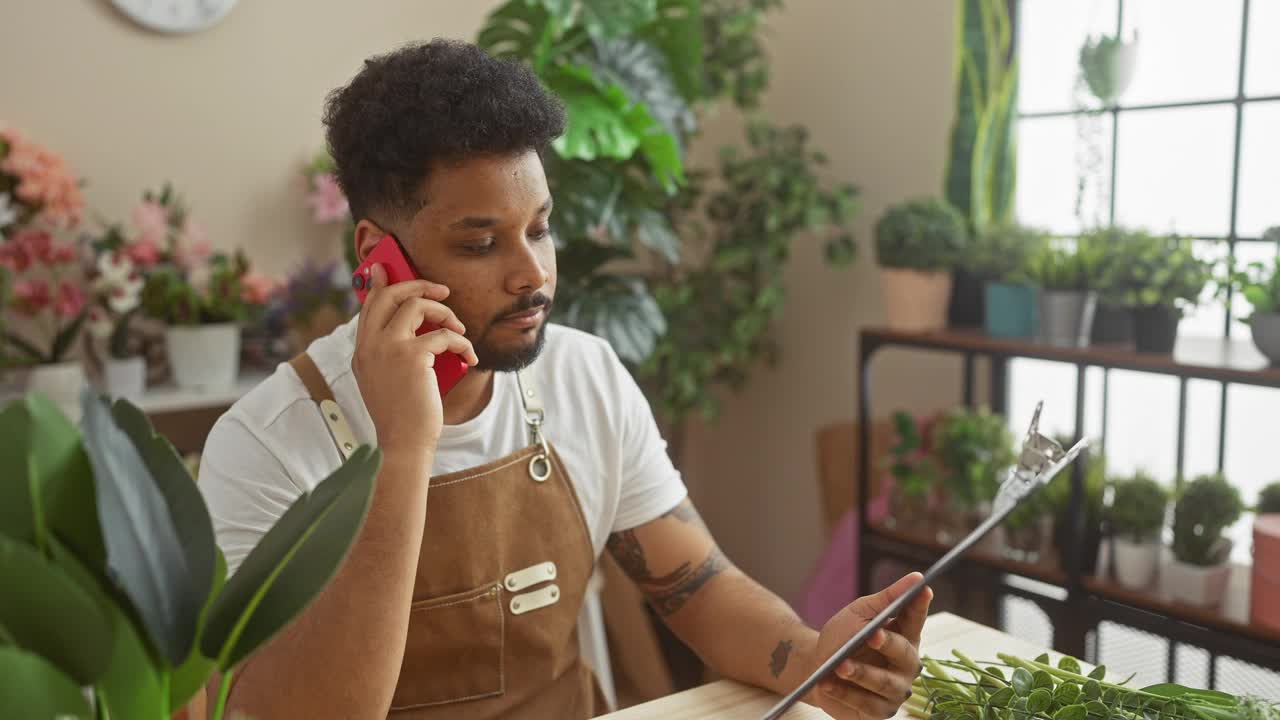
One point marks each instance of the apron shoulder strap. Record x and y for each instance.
(322, 395)
(540, 465)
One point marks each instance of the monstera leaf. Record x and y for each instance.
(604, 18)
(642, 71)
(620, 310)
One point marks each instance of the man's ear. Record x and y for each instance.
(367, 235)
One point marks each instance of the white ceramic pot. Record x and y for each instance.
(61, 383)
(1198, 585)
(1136, 563)
(126, 378)
(204, 357)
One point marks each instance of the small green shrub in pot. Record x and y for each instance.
(1111, 251)
(1002, 256)
(1205, 508)
(914, 471)
(1165, 278)
(1259, 283)
(1064, 274)
(918, 244)
(975, 449)
(1138, 508)
(1269, 499)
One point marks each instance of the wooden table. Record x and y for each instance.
(730, 700)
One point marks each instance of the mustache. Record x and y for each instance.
(525, 304)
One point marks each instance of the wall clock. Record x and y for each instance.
(175, 16)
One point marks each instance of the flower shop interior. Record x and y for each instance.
(872, 244)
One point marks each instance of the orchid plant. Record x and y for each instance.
(46, 293)
(37, 187)
(327, 201)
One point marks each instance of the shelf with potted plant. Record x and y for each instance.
(918, 243)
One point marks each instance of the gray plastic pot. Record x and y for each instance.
(1066, 317)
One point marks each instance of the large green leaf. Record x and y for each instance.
(46, 612)
(598, 122)
(30, 687)
(604, 18)
(130, 687)
(641, 70)
(192, 675)
(622, 311)
(520, 30)
(677, 32)
(186, 505)
(655, 232)
(37, 436)
(145, 557)
(292, 563)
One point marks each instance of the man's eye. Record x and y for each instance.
(540, 234)
(480, 248)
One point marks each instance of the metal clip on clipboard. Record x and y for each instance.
(1040, 460)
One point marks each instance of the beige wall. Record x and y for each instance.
(872, 80)
(231, 114)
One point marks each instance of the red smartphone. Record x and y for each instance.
(450, 367)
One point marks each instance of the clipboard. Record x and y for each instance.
(1040, 460)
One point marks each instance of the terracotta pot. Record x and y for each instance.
(915, 300)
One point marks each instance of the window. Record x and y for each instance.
(1192, 147)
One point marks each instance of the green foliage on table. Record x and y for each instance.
(1137, 268)
(975, 449)
(921, 234)
(914, 471)
(1003, 252)
(680, 270)
(1138, 507)
(171, 296)
(124, 591)
(982, 162)
(1015, 688)
(1204, 509)
(1269, 499)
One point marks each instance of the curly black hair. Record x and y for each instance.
(422, 104)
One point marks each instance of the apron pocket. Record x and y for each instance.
(454, 649)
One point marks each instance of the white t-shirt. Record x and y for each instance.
(272, 445)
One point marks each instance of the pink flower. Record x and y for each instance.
(45, 181)
(63, 254)
(14, 256)
(257, 289)
(327, 201)
(143, 253)
(193, 248)
(37, 244)
(70, 300)
(30, 296)
(152, 222)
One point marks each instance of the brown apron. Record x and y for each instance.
(502, 573)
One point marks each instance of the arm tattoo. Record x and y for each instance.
(685, 512)
(629, 553)
(778, 662)
(667, 600)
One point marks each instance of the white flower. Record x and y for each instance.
(99, 323)
(125, 298)
(118, 283)
(7, 213)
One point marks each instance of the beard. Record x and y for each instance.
(512, 359)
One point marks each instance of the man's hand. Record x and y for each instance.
(876, 680)
(393, 366)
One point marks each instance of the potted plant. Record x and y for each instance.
(312, 302)
(1269, 500)
(1206, 507)
(1164, 278)
(1066, 302)
(1259, 283)
(1107, 65)
(117, 281)
(918, 243)
(974, 450)
(1028, 529)
(126, 610)
(46, 300)
(1112, 251)
(999, 256)
(1088, 537)
(1137, 516)
(914, 473)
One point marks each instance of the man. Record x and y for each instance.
(461, 594)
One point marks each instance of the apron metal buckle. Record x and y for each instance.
(540, 466)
